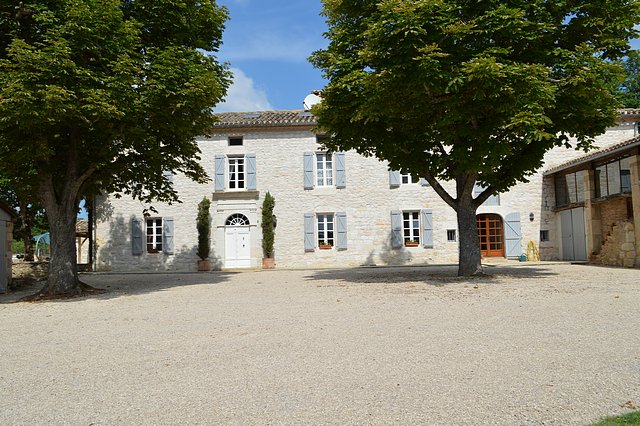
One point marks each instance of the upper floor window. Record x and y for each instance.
(236, 173)
(613, 178)
(493, 200)
(570, 188)
(407, 178)
(235, 141)
(324, 169)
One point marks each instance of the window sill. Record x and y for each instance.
(231, 194)
(411, 244)
(325, 247)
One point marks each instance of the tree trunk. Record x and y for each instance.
(26, 215)
(469, 262)
(63, 266)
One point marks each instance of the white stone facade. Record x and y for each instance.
(367, 199)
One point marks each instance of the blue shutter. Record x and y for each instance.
(219, 176)
(308, 170)
(252, 183)
(309, 243)
(493, 200)
(341, 219)
(396, 229)
(394, 178)
(136, 236)
(424, 182)
(168, 175)
(167, 235)
(427, 228)
(341, 175)
(512, 235)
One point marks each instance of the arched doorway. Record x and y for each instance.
(490, 234)
(237, 246)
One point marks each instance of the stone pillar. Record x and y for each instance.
(593, 227)
(634, 162)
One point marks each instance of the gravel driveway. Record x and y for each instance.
(530, 344)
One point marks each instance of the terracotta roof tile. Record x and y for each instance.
(264, 119)
(595, 155)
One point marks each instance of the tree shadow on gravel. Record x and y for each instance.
(435, 275)
(128, 284)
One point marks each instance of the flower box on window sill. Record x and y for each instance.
(325, 246)
(153, 251)
(411, 243)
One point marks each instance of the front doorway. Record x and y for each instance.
(574, 239)
(237, 247)
(491, 235)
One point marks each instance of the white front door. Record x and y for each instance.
(236, 247)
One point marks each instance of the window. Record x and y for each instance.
(235, 141)
(570, 188)
(451, 235)
(325, 230)
(613, 178)
(411, 227)
(154, 235)
(324, 169)
(407, 178)
(493, 200)
(544, 235)
(236, 172)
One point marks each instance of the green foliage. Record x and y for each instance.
(625, 419)
(445, 89)
(268, 225)
(203, 223)
(17, 247)
(105, 95)
(629, 91)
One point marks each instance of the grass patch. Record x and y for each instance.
(625, 419)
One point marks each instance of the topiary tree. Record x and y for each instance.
(268, 231)
(203, 223)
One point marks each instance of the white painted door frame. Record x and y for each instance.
(237, 247)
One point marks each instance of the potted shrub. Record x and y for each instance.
(268, 231)
(203, 223)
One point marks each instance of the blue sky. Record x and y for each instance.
(267, 43)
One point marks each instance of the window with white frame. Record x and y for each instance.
(411, 227)
(407, 178)
(236, 173)
(154, 235)
(325, 230)
(324, 169)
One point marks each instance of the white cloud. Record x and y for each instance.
(270, 46)
(243, 95)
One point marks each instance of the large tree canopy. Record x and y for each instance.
(629, 91)
(105, 95)
(470, 91)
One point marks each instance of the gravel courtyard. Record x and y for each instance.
(529, 344)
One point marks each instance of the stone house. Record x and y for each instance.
(333, 209)
(7, 216)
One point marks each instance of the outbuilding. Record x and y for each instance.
(7, 216)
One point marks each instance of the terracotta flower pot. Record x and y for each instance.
(268, 263)
(204, 265)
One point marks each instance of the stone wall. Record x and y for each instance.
(619, 248)
(367, 200)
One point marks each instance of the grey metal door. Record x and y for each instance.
(579, 234)
(573, 236)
